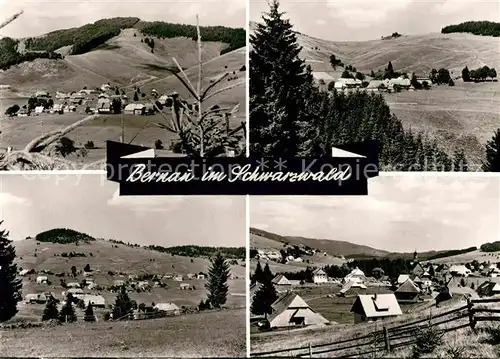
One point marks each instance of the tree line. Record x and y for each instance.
(201, 251)
(83, 38)
(236, 38)
(485, 28)
(479, 74)
(291, 117)
(491, 247)
(9, 55)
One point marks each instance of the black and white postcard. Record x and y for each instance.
(87, 273)
(410, 271)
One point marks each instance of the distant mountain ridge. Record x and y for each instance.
(351, 250)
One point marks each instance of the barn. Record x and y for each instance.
(291, 310)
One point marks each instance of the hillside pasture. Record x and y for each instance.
(209, 334)
(465, 115)
(478, 255)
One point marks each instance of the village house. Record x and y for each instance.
(178, 278)
(118, 282)
(169, 308)
(191, 276)
(200, 276)
(291, 310)
(97, 301)
(356, 275)
(320, 276)
(351, 285)
(402, 278)
(134, 109)
(73, 285)
(165, 100)
(342, 84)
(372, 307)
(42, 95)
(23, 112)
(104, 105)
(407, 292)
(39, 298)
(488, 289)
(41, 279)
(143, 284)
(57, 108)
(281, 283)
(39, 110)
(105, 87)
(418, 269)
(459, 271)
(24, 272)
(185, 286)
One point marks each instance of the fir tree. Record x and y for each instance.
(258, 274)
(67, 313)
(123, 304)
(263, 298)
(466, 74)
(460, 163)
(492, 163)
(277, 80)
(267, 276)
(217, 287)
(136, 97)
(89, 313)
(50, 311)
(10, 285)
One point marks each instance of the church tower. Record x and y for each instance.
(415, 256)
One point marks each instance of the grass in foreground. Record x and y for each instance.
(211, 334)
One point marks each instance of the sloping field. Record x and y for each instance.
(211, 334)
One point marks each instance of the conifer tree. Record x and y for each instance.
(67, 313)
(123, 304)
(492, 163)
(50, 311)
(277, 80)
(10, 285)
(263, 298)
(89, 313)
(267, 275)
(217, 287)
(258, 274)
(460, 163)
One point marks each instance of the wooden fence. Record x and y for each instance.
(390, 338)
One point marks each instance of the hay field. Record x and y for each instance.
(210, 334)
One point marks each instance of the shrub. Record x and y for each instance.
(427, 340)
(159, 145)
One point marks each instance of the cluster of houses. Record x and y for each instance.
(421, 284)
(387, 85)
(94, 101)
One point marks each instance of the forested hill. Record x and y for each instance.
(63, 236)
(86, 38)
(201, 251)
(485, 28)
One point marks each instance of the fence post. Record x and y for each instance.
(470, 309)
(386, 340)
(310, 351)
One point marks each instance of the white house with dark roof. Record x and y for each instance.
(356, 275)
(372, 307)
(291, 310)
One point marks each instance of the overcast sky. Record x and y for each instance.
(370, 19)
(41, 16)
(87, 203)
(399, 214)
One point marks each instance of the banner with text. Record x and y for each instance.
(143, 171)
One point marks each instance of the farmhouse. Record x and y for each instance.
(118, 282)
(134, 109)
(459, 271)
(185, 286)
(41, 279)
(343, 83)
(488, 289)
(320, 276)
(42, 95)
(356, 275)
(169, 308)
(97, 301)
(418, 269)
(75, 292)
(191, 275)
(165, 100)
(200, 276)
(57, 108)
(178, 278)
(408, 291)
(372, 307)
(39, 298)
(351, 285)
(403, 278)
(73, 285)
(103, 105)
(280, 279)
(39, 110)
(291, 310)
(24, 272)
